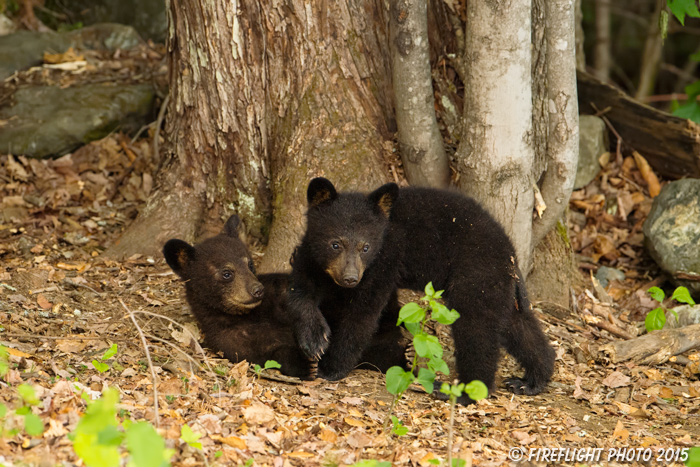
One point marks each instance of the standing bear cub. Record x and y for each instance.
(358, 249)
(241, 315)
(245, 316)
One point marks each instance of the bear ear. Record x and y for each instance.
(231, 226)
(383, 198)
(179, 255)
(320, 190)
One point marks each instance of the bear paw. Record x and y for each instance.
(314, 338)
(520, 386)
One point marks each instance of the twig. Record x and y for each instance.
(198, 347)
(148, 358)
(75, 338)
(601, 114)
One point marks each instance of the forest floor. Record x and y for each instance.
(63, 304)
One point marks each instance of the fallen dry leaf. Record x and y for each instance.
(616, 380)
(648, 174)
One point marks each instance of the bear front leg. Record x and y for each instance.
(310, 327)
(351, 336)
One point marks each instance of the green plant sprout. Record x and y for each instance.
(415, 318)
(656, 318)
(109, 353)
(371, 463)
(268, 364)
(32, 424)
(99, 437)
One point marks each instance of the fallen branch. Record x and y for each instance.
(653, 348)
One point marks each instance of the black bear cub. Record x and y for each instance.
(358, 249)
(245, 316)
(241, 315)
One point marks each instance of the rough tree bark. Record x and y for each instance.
(557, 181)
(420, 142)
(264, 97)
(495, 156)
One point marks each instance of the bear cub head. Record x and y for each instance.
(219, 271)
(346, 232)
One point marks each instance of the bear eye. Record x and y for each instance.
(251, 266)
(365, 248)
(226, 275)
(335, 245)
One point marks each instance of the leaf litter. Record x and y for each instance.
(60, 310)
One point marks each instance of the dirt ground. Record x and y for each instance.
(62, 304)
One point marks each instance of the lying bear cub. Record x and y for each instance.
(359, 248)
(244, 315)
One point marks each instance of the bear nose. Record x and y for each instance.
(257, 290)
(350, 281)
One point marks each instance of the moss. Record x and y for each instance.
(563, 232)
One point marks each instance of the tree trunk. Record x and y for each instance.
(557, 182)
(420, 142)
(651, 57)
(495, 156)
(601, 51)
(263, 98)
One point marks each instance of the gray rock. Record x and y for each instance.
(606, 274)
(687, 315)
(24, 49)
(47, 120)
(593, 142)
(672, 232)
(148, 17)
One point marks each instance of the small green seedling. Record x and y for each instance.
(656, 318)
(190, 437)
(109, 353)
(398, 427)
(99, 437)
(693, 459)
(268, 364)
(371, 463)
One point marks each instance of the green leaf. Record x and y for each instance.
(663, 24)
(94, 454)
(397, 427)
(446, 389)
(190, 437)
(689, 110)
(434, 461)
(33, 424)
(426, 378)
(657, 294)
(272, 364)
(427, 345)
(682, 295)
(111, 352)
(476, 390)
(695, 57)
(459, 463)
(443, 315)
(655, 319)
(681, 8)
(99, 366)
(4, 360)
(3, 410)
(429, 289)
(398, 380)
(27, 394)
(146, 446)
(693, 457)
(411, 313)
(371, 463)
(413, 328)
(438, 364)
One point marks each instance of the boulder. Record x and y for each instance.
(672, 232)
(49, 121)
(593, 142)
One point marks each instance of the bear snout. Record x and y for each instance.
(257, 291)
